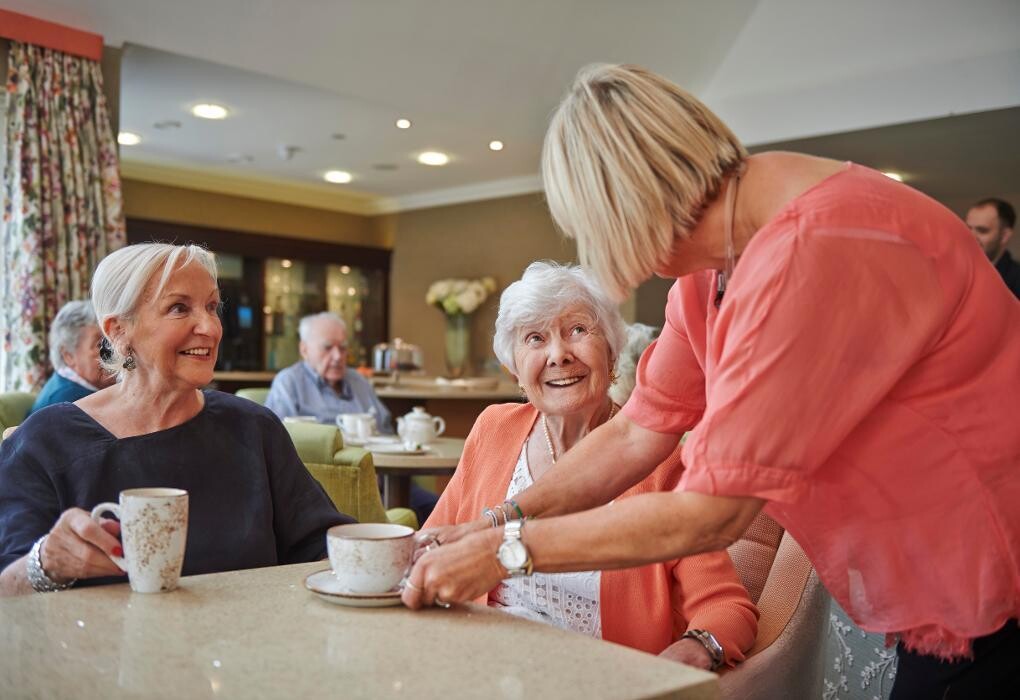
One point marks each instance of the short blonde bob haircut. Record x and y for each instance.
(629, 164)
(122, 278)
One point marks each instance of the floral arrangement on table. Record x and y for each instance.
(459, 296)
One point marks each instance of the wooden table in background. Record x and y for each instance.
(441, 459)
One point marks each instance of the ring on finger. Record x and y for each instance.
(440, 602)
(413, 587)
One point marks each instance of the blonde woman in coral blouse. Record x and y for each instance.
(560, 336)
(845, 355)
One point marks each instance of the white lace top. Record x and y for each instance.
(569, 601)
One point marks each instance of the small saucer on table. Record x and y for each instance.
(324, 584)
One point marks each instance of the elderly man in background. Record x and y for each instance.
(320, 386)
(991, 221)
(74, 353)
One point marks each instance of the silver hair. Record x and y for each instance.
(121, 279)
(305, 325)
(66, 330)
(544, 291)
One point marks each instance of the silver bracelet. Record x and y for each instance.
(715, 651)
(41, 583)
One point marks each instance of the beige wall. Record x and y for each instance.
(497, 237)
(146, 200)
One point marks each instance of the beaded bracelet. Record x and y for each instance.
(511, 502)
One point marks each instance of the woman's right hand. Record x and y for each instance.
(78, 547)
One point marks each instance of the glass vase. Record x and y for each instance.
(458, 345)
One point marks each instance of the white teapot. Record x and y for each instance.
(419, 427)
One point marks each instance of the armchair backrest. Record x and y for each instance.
(14, 407)
(346, 474)
(256, 394)
(786, 660)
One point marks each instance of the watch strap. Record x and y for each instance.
(37, 578)
(711, 644)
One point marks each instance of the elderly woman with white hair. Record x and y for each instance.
(251, 501)
(74, 354)
(559, 335)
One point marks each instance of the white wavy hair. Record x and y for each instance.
(121, 279)
(305, 324)
(546, 290)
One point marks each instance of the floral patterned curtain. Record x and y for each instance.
(62, 201)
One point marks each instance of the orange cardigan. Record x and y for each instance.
(647, 607)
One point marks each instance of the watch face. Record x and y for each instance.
(512, 555)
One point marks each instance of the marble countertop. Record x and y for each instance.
(259, 633)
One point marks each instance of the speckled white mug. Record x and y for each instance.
(154, 531)
(370, 557)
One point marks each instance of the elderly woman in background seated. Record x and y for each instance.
(560, 336)
(74, 354)
(639, 337)
(251, 501)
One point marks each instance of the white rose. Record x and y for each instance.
(467, 302)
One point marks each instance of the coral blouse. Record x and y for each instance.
(861, 374)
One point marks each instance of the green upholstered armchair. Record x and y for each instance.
(14, 407)
(347, 474)
(256, 394)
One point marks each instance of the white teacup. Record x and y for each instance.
(356, 425)
(370, 557)
(154, 531)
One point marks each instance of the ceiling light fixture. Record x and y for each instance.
(210, 111)
(893, 176)
(433, 158)
(127, 138)
(339, 177)
(403, 123)
(495, 145)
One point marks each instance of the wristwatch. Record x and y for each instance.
(512, 554)
(40, 582)
(711, 644)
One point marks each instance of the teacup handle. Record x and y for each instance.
(440, 425)
(115, 509)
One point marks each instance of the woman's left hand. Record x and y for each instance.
(688, 651)
(455, 572)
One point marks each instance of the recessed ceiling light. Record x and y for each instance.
(403, 123)
(495, 145)
(433, 158)
(126, 138)
(339, 177)
(285, 263)
(893, 176)
(209, 111)
(345, 270)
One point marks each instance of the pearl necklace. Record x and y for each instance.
(548, 436)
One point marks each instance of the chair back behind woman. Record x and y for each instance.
(787, 658)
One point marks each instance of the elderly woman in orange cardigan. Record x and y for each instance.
(560, 336)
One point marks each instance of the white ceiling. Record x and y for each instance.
(468, 71)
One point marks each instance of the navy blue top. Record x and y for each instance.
(251, 502)
(56, 390)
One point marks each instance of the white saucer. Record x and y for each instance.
(374, 440)
(395, 449)
(324, 584)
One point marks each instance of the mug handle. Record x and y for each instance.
(440, 425)
(115, 509)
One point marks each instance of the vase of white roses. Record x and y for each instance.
(458, 299)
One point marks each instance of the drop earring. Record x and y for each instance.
(129, 361)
